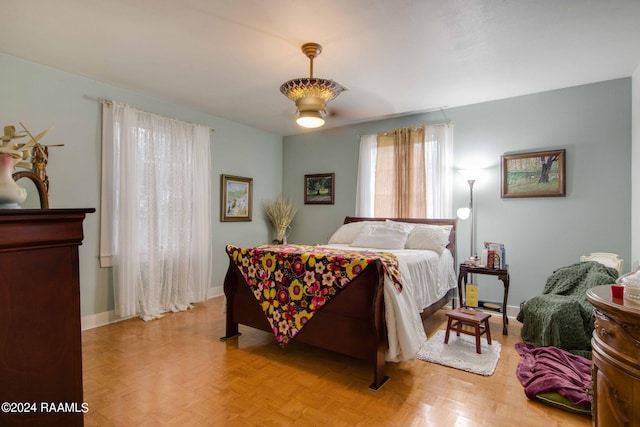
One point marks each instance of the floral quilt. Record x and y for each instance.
(293, 282)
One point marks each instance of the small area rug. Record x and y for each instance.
(461, 354)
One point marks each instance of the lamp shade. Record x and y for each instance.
(320, 90)
(463, 213)
(310, 119)
(472, 174)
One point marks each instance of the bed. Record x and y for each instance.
(353, 321)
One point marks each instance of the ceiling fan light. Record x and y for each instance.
(310, 119)
(311, 95)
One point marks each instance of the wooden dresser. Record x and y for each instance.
(40, 339)
(616, 359)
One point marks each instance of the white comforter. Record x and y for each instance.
(426, 277)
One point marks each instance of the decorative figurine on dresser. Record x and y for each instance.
(616, 358)
(17, 151)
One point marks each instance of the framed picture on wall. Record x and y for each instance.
(236, 194)
(319, 189)
(534, 174)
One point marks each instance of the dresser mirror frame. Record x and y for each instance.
(43, 195)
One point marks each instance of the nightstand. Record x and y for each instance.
(502, 274)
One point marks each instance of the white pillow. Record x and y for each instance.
(429, 237)
(347, 232)
(382, 236)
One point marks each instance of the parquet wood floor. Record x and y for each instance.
(176, 372)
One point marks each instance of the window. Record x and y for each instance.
(406, 178)
(155, 213)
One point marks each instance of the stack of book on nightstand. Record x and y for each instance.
(472, 262)
(493, 255)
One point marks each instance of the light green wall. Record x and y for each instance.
(592, 122)
(41, 97)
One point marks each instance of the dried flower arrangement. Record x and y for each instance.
(12, 154)
(281, 213)
(20, 151)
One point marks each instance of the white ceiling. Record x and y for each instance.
(229, 57)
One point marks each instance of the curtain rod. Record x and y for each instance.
(110, 102)
(447, 120)
(447, 123)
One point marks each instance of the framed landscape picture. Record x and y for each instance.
(535, 174)
(319, 189)
(236, 194)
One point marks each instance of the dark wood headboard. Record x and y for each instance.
(434, 221)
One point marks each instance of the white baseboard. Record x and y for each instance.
(512, 310)
(107, 317)
(216, 291)
(100, 319)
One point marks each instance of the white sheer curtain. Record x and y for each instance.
(439, 167)
(155, 222)
(366, 184)
(439, 154)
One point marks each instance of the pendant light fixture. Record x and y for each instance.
(311, 94)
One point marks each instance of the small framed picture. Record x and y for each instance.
(236, 194)
(319, 189)
(535, 174)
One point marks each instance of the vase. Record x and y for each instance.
(281, 234)
(11, 194)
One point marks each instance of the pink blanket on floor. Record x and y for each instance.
(546, 369)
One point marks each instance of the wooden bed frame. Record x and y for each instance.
(353, 323)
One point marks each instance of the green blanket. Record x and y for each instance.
(562, 316)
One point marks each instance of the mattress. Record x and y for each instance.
(426, 277)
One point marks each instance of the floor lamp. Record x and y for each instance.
(467, 213)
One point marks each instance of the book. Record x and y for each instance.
(491, 255)
(496, 255)
(471, 294)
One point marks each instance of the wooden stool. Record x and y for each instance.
(478, 320)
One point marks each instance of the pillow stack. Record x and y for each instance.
(348, 232)
(384, 235)
(393, 235)
(429, 237)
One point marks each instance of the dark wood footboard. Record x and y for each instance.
(352, 323)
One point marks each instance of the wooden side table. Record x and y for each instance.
(502, 274)
(615, 359)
